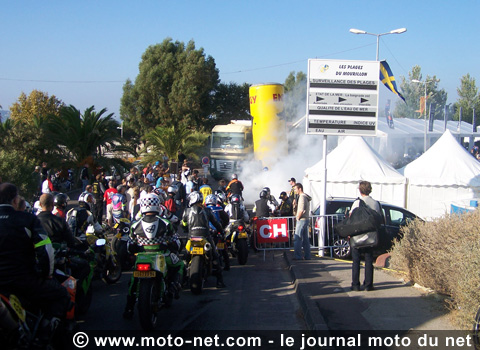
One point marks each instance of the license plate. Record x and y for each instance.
(115, 226)
(143, 274)
(197, 250)
(118, 235)
(17, 306)
(220, 245)
(242, 235)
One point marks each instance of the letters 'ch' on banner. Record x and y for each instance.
(387, 78)
(272, 231)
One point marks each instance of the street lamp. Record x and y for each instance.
(395, 31)
(424, 110)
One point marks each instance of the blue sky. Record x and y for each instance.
(83, 51)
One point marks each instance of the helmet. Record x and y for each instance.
(234, 176)
(61, 200)
(28, 207)
(86, 197)
(172, 189)
(211, 199)
(263, 194)
(160, 193)
(267, 189)
(150, 203)
(194, 197)
(235, 198)
(221, 198)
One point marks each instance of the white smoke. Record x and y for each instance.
(303, 152)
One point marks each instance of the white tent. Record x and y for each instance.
(349, 163)
(444, 174)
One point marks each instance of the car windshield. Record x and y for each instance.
(228, 140)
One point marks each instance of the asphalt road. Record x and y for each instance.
(258, 296)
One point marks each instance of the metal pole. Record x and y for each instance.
(378, 42)
(425, 114)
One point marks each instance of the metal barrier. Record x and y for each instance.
(321, 234)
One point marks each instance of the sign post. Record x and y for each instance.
(205, 165)
(342, 99)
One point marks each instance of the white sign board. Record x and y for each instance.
(342, 97)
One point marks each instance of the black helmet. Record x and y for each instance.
(60, 200)
(267, 190)
(263, 194)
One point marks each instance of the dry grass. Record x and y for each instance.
(444, 255)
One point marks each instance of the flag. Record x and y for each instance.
(387, 78)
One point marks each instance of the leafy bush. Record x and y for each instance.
(444, 255)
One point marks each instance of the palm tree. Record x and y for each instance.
(171, 140)
(85, 138)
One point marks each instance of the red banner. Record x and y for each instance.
(272, 230)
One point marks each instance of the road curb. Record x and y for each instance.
(313, 317)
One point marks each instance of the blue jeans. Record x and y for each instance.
(301, 240)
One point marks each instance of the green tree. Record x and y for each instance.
(295, 96)
(175, 84)
(413, 92)
(25, 133)
(231, 102)
(16, 168)
(469, 99)
(171, 140)
(86, 137)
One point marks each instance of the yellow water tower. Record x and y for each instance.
(268, 129)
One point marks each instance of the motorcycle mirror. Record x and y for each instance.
(100, 242)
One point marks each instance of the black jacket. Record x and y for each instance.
(262, 208)
(197, 219)
(25, 249)
(57, 228)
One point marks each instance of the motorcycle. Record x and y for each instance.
(20, 327)
(120, 243)
(200, 264)
(238, 237)
(65, 262)
(222, 249)
(106, 265)
(151, 270)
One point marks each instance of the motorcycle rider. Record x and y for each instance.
(271, 199)
(119, 203)
(197, 218)
(235, 187)
(154, 233)
(98, 190)
(211, 202)
(80, 217)
(26, 261)
(59, 232)
(60, 202)
(263, 208)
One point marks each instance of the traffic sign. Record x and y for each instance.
(205, 160)
(342, 97)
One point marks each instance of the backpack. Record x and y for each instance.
(77, 221)
(362, 219)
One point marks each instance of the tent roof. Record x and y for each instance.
(416, 128)
(355, 160)
(446, 163)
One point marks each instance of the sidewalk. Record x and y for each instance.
(322, 286)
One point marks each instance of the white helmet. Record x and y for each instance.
(234, 176)
(194, 197)
(86, 197)
(172, 189)
(150, 203)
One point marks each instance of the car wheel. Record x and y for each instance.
(341, 249)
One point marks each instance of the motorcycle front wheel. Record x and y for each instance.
(196, 274)
(112, 271)
(242, 248)
(148, 296)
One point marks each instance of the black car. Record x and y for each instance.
(337, 208)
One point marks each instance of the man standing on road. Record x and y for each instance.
(302, 216)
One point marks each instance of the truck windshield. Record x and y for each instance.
(228, 140)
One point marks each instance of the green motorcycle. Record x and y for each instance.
(151, 270)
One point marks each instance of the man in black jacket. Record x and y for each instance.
(26, 259)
